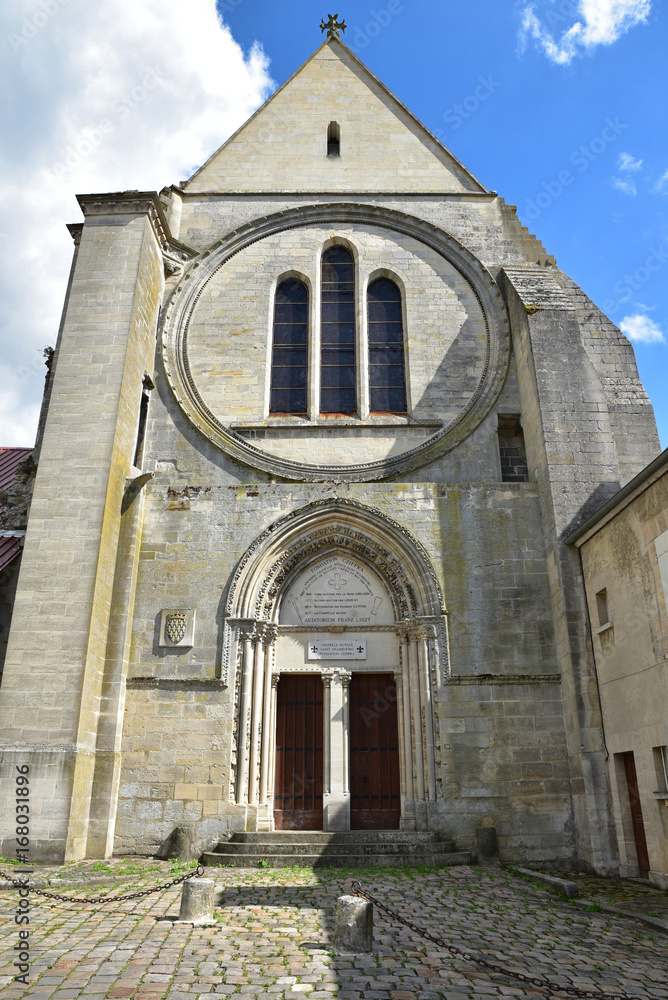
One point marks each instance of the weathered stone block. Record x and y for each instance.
(353, 925)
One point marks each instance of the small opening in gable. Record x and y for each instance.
(333, 139)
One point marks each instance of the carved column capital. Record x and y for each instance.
(268, 633)
(249, 629)
(414, 630)
(403, 630)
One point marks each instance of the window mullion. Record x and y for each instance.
(314, 349)
(364, 406)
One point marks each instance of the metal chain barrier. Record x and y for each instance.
(194, 873)
(541, 984)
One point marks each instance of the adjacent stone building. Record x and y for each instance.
(319, 421)
(624, 549)
(16, 478)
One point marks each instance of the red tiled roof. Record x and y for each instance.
(9, 549)
(9, 462)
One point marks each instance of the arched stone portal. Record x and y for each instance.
(335, 589)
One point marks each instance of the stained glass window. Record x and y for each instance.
(337, 372)
(289, 362)
(387, 375)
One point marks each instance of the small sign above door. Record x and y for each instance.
(349, 648)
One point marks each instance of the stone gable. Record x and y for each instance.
(283, 147)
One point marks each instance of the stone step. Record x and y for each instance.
(384, 860)
(333, 848)
(344, 837)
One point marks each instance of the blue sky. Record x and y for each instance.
(559, 105)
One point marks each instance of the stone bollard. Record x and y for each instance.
(182, 844)
(353, 925)
(197, 902)
(487, 845)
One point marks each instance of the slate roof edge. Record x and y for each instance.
(617, 503)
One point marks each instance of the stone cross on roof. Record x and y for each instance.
(332, 27)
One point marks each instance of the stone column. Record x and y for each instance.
(249, 639)
(428, 708)
(416, 705)
(403, 682)
(268, 734)
(327, 735)
(266, 637)
(275, 678)
(403, 763)
(345, 694)
(336, 804)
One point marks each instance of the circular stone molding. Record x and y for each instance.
(187, 293)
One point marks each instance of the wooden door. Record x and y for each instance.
(299, 728)
(375, 802)
(636, 814)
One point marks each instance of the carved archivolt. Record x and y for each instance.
(310, 534)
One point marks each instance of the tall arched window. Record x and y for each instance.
(289, 362)
(337, 370)
(387, 376)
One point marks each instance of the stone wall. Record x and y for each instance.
(180, 721)
(621, 557)
(50, 696)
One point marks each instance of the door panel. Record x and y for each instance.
(636, 814)
(299, 729)
(375, 801)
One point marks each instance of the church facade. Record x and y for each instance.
(318, 423)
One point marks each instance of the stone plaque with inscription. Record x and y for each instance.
(349, 647)
(336, 591)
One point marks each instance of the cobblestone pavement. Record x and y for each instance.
(273, 938)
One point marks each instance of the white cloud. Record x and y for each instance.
(625, 186)
(601, 22)
(98, 97)
(626, 162)
(661, 184)
(642, 330)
